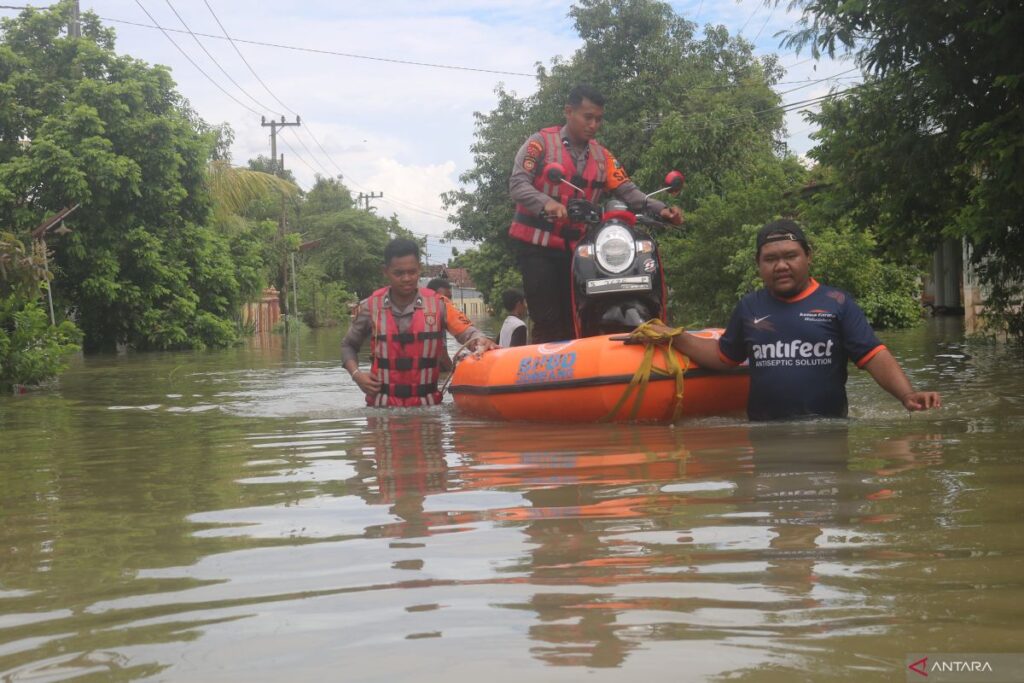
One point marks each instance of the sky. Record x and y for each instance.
(371, 82)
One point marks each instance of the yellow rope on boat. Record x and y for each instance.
(653, 339)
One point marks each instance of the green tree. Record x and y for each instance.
(699, 260)
(931, 145)
(81, 124)
(345, 262)
(31, 349)
(702, 105)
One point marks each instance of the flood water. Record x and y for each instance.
(240, 516)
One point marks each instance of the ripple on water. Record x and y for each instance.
(252, 520)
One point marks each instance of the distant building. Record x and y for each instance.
(465, 295)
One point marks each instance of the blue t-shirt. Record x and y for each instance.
(798, 350)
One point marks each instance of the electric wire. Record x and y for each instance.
(296, 155)
(393, 201)
(807, 84)
(308, 130)
(770, 15)
(785, 107)
(350, 55)
(757, 8)
(214, 60)
(326, 171)
(193, 63)
(246, 61)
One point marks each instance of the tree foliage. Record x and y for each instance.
(932, 145)
(701, 104)
(346, 250)
(31, 349)
(704, 105)
(82, 124)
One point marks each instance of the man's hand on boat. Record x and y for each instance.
(480, 344)
(662, 330)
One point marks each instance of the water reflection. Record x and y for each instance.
(249, 520)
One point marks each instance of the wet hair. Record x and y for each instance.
(511, 297)
(584, 92)
(399, 247)
(438, 283)
(782, 229)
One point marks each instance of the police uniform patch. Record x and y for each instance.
(616, 174)
(534, 153)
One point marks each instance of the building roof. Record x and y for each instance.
(459, 277)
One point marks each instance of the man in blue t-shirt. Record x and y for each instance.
(798, 336)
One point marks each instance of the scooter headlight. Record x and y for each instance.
(615, 248)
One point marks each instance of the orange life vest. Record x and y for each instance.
(406, 362)
(560, 234)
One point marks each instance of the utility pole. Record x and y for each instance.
(278, 169)
(274, 125)
(74, 27)
(365, 199)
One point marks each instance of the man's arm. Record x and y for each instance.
(358, 331)
(890, 376)
(462, 329)
(704, 350)
(623, 189)
(528, 163)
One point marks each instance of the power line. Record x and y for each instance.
(791, 106)
(276, 98)
(401, 204)
(245, 61)
(214, 60)
(398, 202)
(192, 62)
(335, 53)
(820, 80)
(311, 155)
(805, 82)
(395, 202)
(770, 15)
(757, 8)
(296, 156)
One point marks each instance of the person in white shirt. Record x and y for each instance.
(513, 330)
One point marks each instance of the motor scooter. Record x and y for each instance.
(617, 278)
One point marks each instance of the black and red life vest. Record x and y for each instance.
(406, 362)
(560, 234)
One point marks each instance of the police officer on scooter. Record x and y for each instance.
(544, 235)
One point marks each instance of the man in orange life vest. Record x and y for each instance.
(406, 324)
(544, 237)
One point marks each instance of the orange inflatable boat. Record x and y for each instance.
(583, 380)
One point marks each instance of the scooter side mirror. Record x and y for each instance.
(555, 173)
(675, 181)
